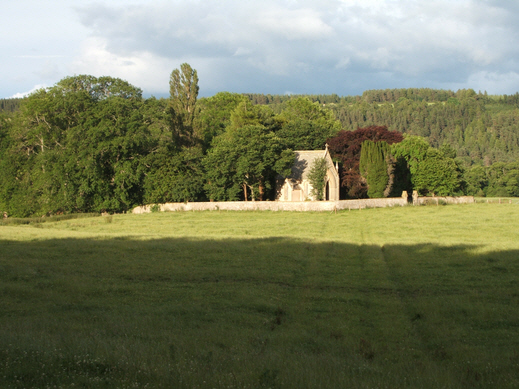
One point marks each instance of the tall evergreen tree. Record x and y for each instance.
(373, 167)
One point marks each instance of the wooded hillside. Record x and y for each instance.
(482, 129)
(92, 144)
(10, 105)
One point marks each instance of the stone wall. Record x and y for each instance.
(300, 206)
(303, 206)
(438, 200)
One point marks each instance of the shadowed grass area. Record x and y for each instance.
(253, 300)
(48, 219)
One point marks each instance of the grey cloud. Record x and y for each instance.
(312, 47)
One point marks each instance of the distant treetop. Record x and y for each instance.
(10, 105)
(378, 96)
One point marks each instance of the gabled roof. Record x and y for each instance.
(304, 162)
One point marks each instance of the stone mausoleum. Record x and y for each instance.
(297, 186)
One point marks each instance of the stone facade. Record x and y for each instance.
(297, 186)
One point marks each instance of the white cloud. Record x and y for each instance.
(303, 24)
(44, 56)
(24, 94)
(138, 69)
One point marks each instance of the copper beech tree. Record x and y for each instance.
(346, 147)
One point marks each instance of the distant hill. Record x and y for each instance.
(483, 129)
(10, 105)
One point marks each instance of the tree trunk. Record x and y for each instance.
(261, 190)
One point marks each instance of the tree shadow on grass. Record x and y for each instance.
(234, 312)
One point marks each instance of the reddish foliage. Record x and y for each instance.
(346, 146)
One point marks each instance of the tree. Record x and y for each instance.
(10, 105)
(175, 172)
(512, 181)
(183, 88)
(306, 125)
(302, 108)
(77, 147)
(215, 114)
(304, 135)
(346, 147)
(222, 183)
(503, 179)
(432, 171)
(175, 176)
(476, 180)
(8, 164)
(112, 149)
(413, 149)
(373, 167)
(247, 114)
(245, 160)
(317, 178)
(437, 174)
(99, 88)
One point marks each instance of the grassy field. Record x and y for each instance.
(412, 297)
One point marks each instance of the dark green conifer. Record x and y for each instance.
(373, 167)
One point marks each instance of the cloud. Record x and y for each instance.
(45, 56)
(50, 70)
(301, 24)
(139, 69)
(492, 81)
(342, 46)
(24, 94)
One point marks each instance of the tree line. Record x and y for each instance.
(481, 130)
(10, 105)
(92, 144)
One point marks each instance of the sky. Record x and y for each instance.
(269, 46)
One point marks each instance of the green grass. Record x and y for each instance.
(412, 297)
(498, 200)
(35, 220)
